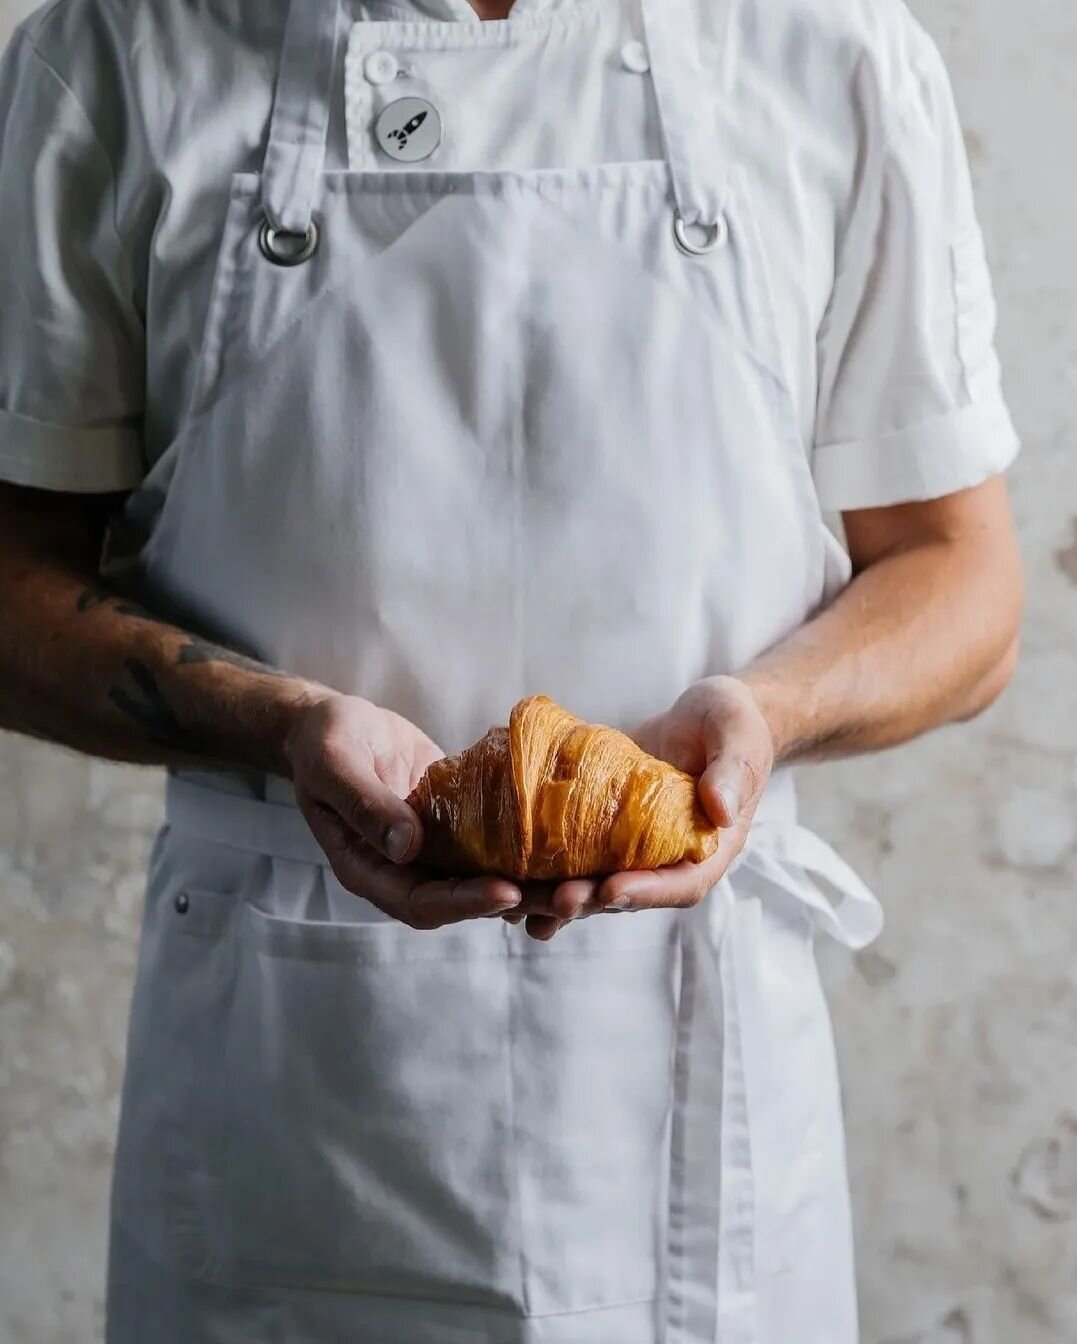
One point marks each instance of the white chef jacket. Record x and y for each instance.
(122, 124)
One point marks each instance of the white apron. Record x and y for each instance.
(500, 432)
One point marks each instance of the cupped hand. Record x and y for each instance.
(353, 764)
(717, 732)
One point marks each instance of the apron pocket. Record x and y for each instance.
(368, 1073)
(464, 1116)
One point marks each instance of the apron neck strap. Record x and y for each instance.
(295, 153)
(687, 93)
(685, 90)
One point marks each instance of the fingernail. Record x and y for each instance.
(510, 902)
(398, 841)
(730, 795)
(622, 902)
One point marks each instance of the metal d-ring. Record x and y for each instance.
(717, 233)
(287, 249)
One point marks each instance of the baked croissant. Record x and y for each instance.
(552, 797)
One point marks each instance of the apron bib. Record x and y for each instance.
(459, 435)
(498, 431)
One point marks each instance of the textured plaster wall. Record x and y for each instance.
(958, 1031)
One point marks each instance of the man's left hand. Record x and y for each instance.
(717, 732)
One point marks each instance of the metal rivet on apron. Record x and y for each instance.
(712, 235)
(380, 67)
(182, 903)
(408, 129)
(634, 57)
(287, 249)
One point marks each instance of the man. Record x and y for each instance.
(365, 367)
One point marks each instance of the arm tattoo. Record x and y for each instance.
(201, 651)
(194, 650)
(148, 707)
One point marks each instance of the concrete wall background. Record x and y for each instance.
(958, 1031)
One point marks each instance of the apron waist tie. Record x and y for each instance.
(273, 827)
(208, 807)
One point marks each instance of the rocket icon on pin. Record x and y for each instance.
(408, 129)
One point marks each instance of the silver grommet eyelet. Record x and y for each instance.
(716, 235)
(287, 249)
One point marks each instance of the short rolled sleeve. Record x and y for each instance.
(910, 405)
(72, 347)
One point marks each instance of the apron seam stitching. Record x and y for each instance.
(454, 34)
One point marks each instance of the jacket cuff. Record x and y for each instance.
(926, 461)
(92, 460)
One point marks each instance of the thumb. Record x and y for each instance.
(739, 754)
(371, 810)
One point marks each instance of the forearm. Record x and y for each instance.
(922, 637)
(87, 669)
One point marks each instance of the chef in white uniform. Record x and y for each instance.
(409, 357)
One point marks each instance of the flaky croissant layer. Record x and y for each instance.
(552, 797)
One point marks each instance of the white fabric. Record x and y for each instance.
(298, 132)
(746, 962)
(909, 400)
(128, 122)
(530, 366)
(615, 120)
(72, 346)
(498, 435)
(75, 458)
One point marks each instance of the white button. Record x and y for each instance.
(380, 67)
(634, 57)
(408, 129)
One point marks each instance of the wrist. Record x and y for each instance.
(289, 719)
(783, 712)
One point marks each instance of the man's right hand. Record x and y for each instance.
(353, 764)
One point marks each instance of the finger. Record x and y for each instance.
(413, 895)
(558, 900)
(572, 898)
(679, 886)
(370, 809)
(433, 903)
(537, 897)
(564, 900)
(676, 887)
(351, 866)
(542, 927)
(578, 898)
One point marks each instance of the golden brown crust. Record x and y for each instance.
(552, 797)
